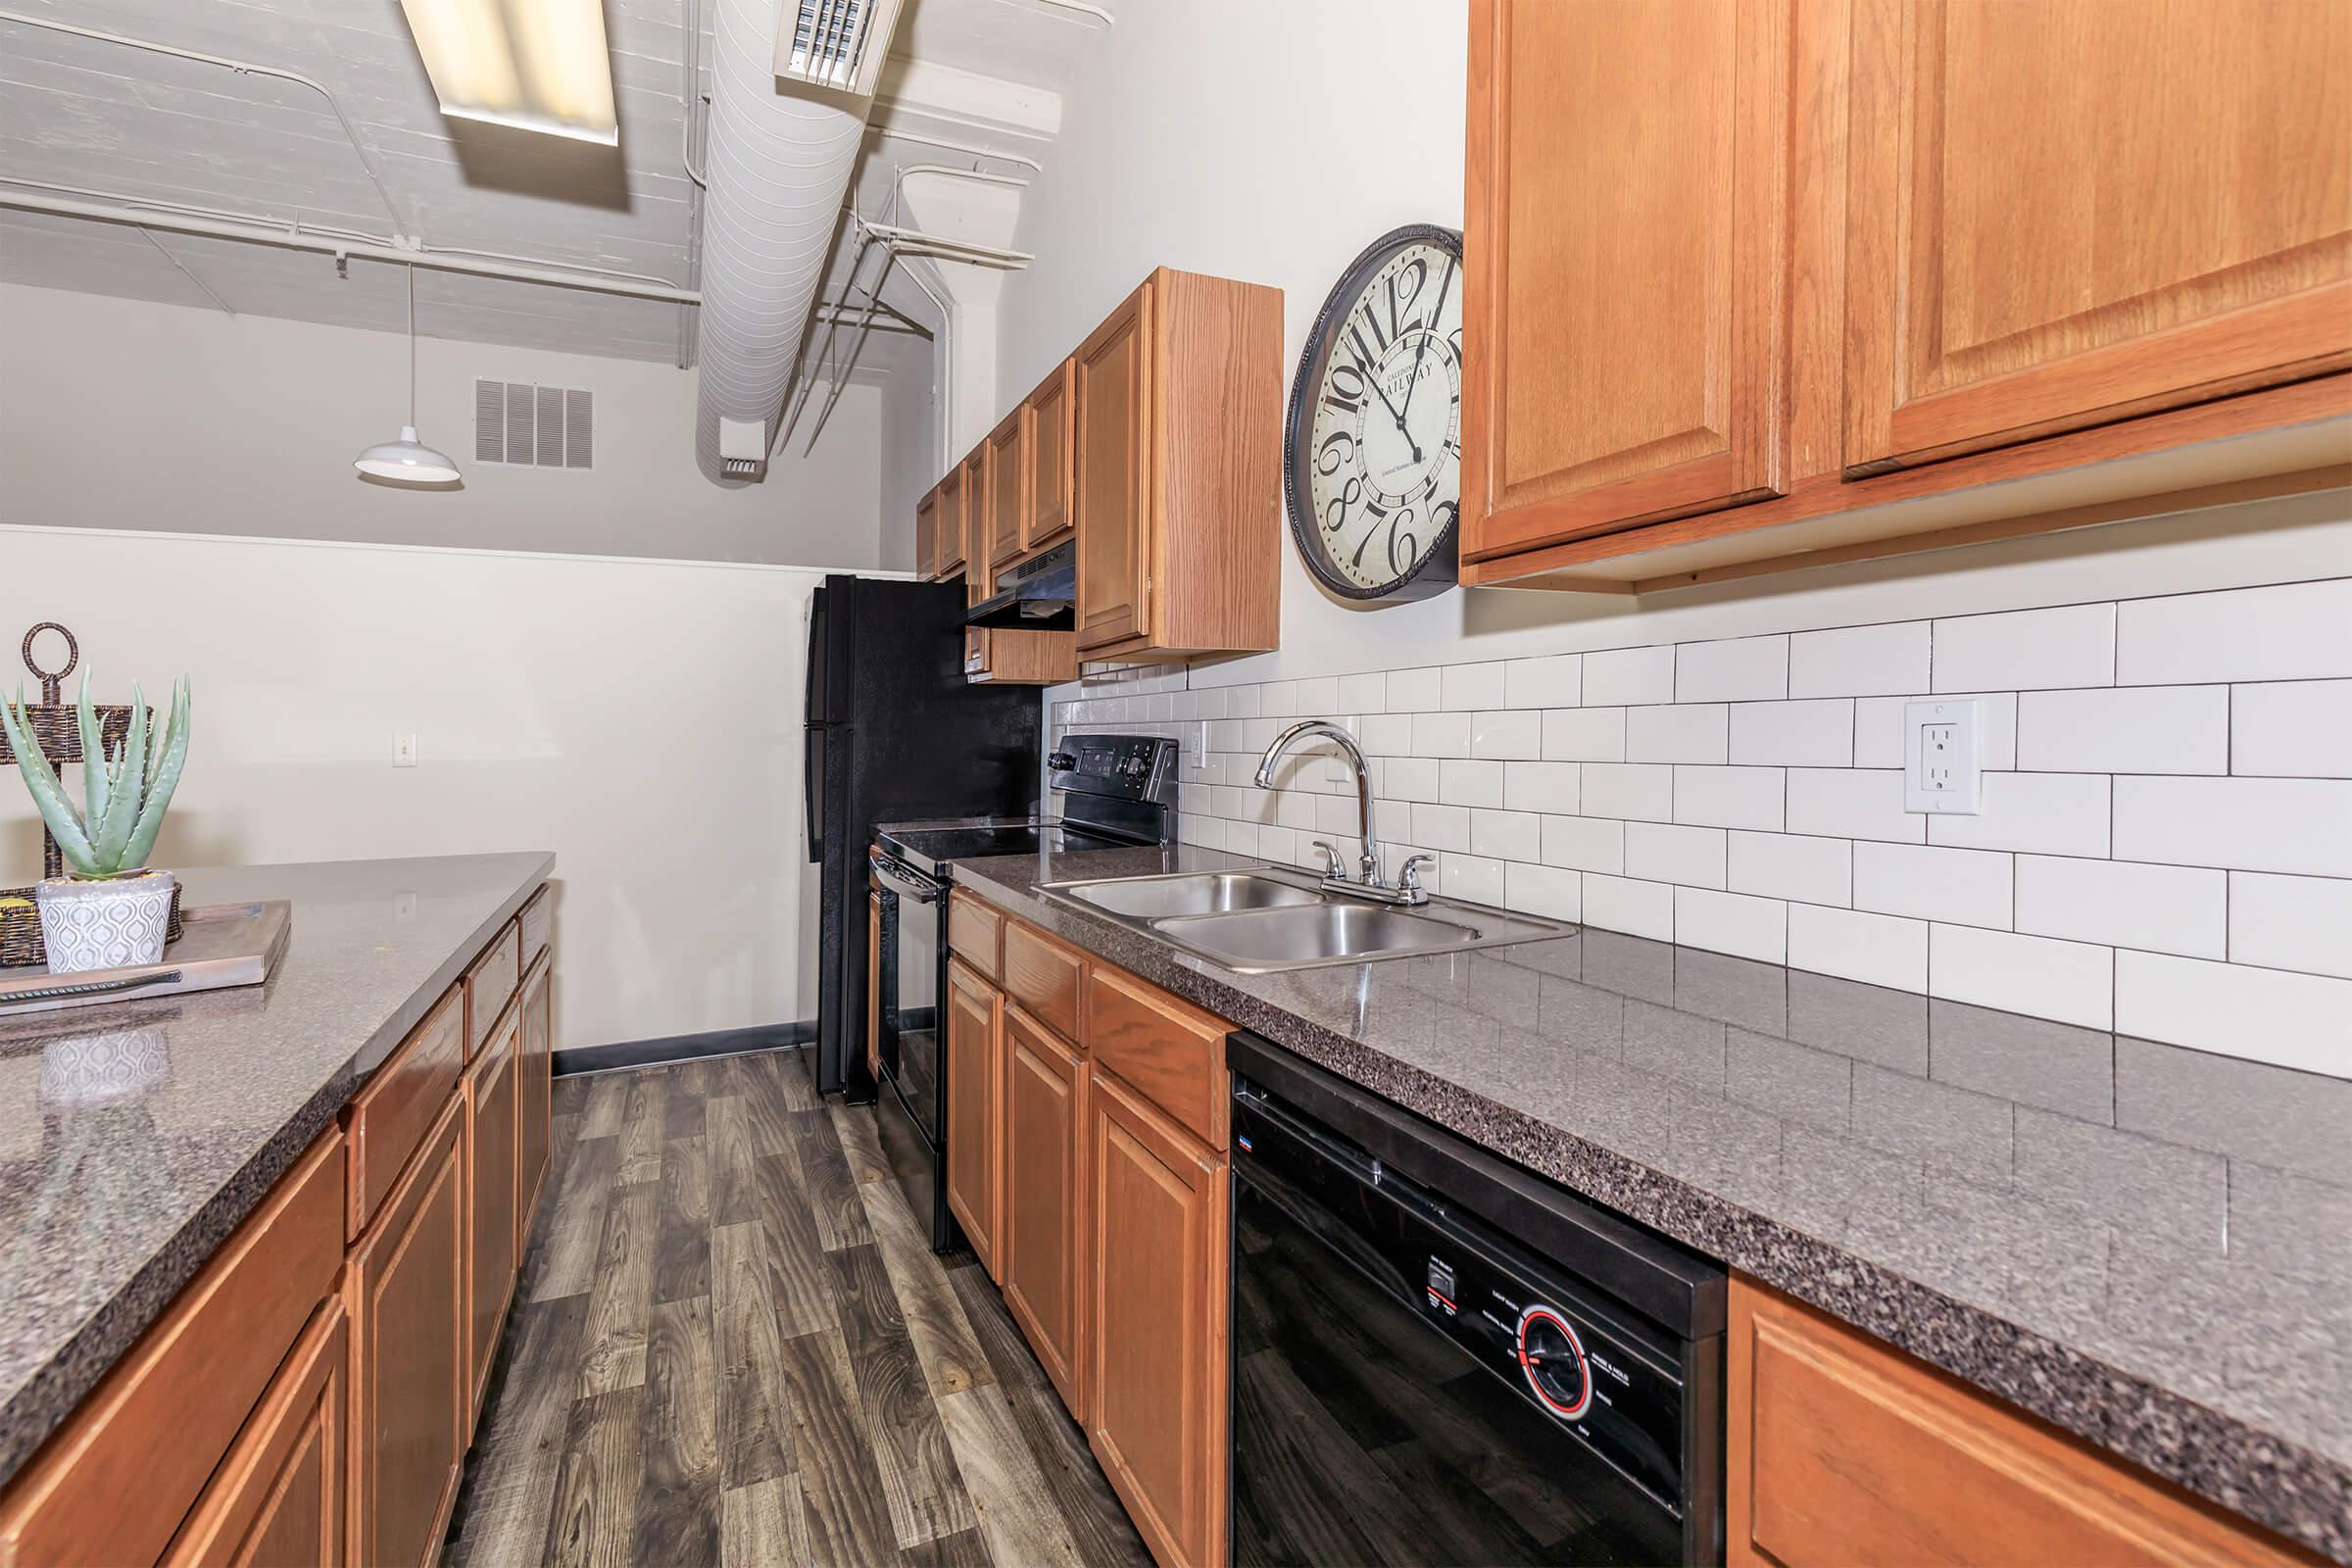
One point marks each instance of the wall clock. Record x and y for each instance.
(1372, 452)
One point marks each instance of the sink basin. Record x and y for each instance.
(1154, 897)
(1327, 931)
(1269, 919)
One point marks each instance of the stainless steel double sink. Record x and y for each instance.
(1264, 919)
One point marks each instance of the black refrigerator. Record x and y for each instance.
(895, 734)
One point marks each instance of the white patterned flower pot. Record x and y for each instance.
(103, 925)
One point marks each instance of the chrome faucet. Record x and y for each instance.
(1367, 883)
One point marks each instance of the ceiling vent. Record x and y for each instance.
(533, 426)
(836, 43)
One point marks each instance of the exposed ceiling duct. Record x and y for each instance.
(779, 163)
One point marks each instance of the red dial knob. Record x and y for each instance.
(1553, 1359)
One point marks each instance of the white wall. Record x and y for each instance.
(1265, 142)
(639, 718)
(122, 413)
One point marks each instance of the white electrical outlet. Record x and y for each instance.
(404, 749)
(1942, 743)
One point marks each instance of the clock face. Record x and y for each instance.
(1374, 449)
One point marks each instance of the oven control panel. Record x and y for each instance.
(1135, 767)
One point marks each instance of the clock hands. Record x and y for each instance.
(1392, 414)
(1436, 314)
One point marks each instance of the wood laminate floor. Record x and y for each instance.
(731, 1346)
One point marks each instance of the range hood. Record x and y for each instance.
(1039, 595)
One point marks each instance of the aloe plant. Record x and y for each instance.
(124, 795)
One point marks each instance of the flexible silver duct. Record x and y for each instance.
(779, 163)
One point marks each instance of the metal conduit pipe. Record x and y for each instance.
(779, 165)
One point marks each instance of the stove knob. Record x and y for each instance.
(1061, 762)
(1553, 1359)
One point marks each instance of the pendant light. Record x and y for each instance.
(408, 461)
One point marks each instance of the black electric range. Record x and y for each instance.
(1117, 791)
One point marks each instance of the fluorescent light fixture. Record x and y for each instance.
(536, 65)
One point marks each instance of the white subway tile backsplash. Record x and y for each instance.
(2123, 904)
(1442, 827)
(1440, 734)
(2297, 825)
(1729, 922)
(1462, 782)
(1684, 732)
(1790, 866)
(1817, 732)
(1852, 802)
(1241, 702)
(1626, 675)
(1638, 909)
(1470, 877)
(2291, 922)
(1507, 734)
(1542, 786)
(2025, 649)
(1584, 734)
(1554, 682)
(1659, 852)
(1859, 660)
(2295, 729)
(1968, 887)
(2042, 814)
(1340, 814)
(1541, 890)
(1414, 691)
(1318, 698)
(1280, 845)
(1364, 694)
(1632, 790)
(1387, 734)
(2294, 631)
(1585, 844)
(1877, 950)
(1736, 669)
(1241, 838)
(1879, 729)
(1412, 779)
(1507, 835)
(1729, 797)
(2294, 1020)
(1466, 687)
(2073, 982)
(2124, 729)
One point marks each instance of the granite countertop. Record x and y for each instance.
(108, 1206)
(2148, 1245)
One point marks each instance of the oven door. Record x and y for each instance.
(914, 914)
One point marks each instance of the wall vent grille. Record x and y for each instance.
(533, 426)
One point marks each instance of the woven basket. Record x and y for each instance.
(20, 927)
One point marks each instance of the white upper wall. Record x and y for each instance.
(122, 414)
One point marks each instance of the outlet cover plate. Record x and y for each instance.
(1942, 744)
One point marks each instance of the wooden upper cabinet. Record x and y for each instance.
(1048, 518)
(975, 1100)
(947, 561)
(1625, 261)
(2073, 211)
(1007, 488)
(926, 535)
(1112, 473)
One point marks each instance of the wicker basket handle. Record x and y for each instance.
(49, 678)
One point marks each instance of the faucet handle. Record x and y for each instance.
(1408, 878)
(1333, 866)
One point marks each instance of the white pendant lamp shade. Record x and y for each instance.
(408, 461)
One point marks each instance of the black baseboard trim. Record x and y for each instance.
(683, 1048)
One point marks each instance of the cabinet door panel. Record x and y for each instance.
(948, 558)
(492, 1122)
(1625, 263)
(974, 1089)
(1048, 518)
(926, 535)
(1007, 488)
(1045, 1086)
(1156, 1390)
(535, 1094)
(277, 1501)
(1111, 459)
(2068, 213)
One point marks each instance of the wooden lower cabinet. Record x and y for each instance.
(534, 1094)
(974, 1030)
(492, 1251)
(1039, 1227)
(404, 1287)
(1158, 1385)
(278, 1500)
(1843, 1449)
(873, 983)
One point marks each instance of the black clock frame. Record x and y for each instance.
(1439, 568)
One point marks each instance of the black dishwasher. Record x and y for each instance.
(1440, 1358)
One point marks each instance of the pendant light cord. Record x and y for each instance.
(412, 346)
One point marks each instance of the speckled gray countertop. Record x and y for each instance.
(135, 1138)
(2147, 1246)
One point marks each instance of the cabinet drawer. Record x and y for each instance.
(1043, 976)
(388, 1118)
(1169, 1050)
(537, 923)
(490, 983)
(114, 1485)
(973, 933)
(1843, 1450)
